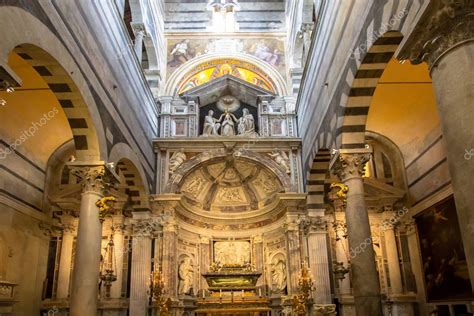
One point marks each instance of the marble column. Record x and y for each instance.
(318, 260)
(394, 272)
(85, 282)
(65, 262)
(170, 260)
(294, 255)
(139, 30)
(444, 39)
(342, 253)
(205, 259)
(349, 167)
(141, 263)
(118, 237)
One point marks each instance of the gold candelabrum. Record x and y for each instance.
(158, 294)
(108, 269)
(305, 288)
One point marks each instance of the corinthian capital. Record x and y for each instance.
(93, 178)
(444, 25)
(349, 166)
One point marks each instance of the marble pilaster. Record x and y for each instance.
(318, 260)
(294, 255)
(205, 259)
(258, 253)
(170, 260)
(141, 263)
(349, 167)
(118, 237)
(342, 253)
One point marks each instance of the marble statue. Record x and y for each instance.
(281, 158)
(228, 128)
(246, 123)
(211, 125)
(176, 160)
(185, 275)
(279, 276)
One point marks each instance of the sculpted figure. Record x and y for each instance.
(211, 125)
(282, 159)
(228, 124)
(246, 123)
(177, 160)
(185, 275)
(279, 276)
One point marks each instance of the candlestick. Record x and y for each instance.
(260, 292)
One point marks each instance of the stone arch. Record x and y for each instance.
(192, 164)
(41, 48)
(351, 134)
(132, 176)
(184, 70)
(316, 181)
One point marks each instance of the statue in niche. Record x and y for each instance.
(281, 158)
(185, 275)
(211, 125)
(176, 160)
(279, 276)
(228, 128)
(246, 124)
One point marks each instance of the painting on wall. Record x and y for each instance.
(444, 262)
(269, 50)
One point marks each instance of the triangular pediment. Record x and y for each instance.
(213, 90)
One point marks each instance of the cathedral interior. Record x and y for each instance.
(236, 157)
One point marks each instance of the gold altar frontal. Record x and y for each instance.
(231, 304)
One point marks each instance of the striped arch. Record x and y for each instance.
(316, 181)
(352, 131)
(69, 97)
(132, 182)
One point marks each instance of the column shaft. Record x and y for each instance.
(65, 262)
(393, 261)
(85, 286)
(365, 280)
(453, 80)
(342, 253)
(170, 265)
(205, 260)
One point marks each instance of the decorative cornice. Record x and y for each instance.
(444, 26)
(348, 166)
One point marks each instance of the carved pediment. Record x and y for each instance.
(227, 85)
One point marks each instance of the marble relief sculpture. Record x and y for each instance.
(176, 160)
(278, 276)
(185, 275)
(211, 125)
(228, 128)
(281, 158)
(246, 123)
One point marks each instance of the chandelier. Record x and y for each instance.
(108, 269)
